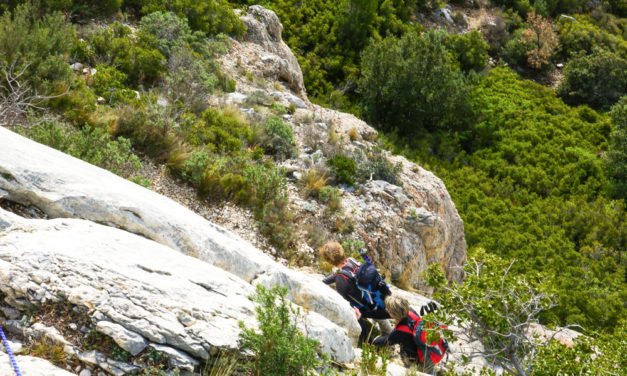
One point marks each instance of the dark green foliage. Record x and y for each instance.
(208, 16)
(533, 190)
(280, 349)
(138, 58)
(78, 105)
(327, 37)
(277, 138)
(37, 45)
(172, 33)
(412, 84)
(598, 80)
(514, 52)
(344, 169)
(544, 7)
(108, 82)
(594, 354)
(616, 155)
(150, 127)
(469, 49)
(592, 31)
(89, 8)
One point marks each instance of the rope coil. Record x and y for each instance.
(6, 346)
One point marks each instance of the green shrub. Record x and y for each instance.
(172, 33)
(616, 155)
(277, 138)
(150, 127)
(78, 105)
(598, 80)
(37, 45)
(470, 50)
(190, 80)
(413, 84)
(586, 33)
(373, 164)
(533, 188)
(209, 16)
(138, 57)
(219, 132)
(332, 197)
(266, 184)
(344, 168)
(279, 348)
(109, 83)
(93, 145)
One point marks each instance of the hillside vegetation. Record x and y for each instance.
(538, 174)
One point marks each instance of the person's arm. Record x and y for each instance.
(329, 279)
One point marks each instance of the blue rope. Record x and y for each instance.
(6, 346)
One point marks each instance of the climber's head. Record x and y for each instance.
(333, 253)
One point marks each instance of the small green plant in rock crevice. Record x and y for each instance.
(106, 345)
(373, 361)
(280, 349)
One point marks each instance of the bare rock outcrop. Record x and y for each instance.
(64, 187)
(276, 58)
(132, 289)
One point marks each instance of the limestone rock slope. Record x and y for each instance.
(61, 186)
(132, 289)
(408, 224)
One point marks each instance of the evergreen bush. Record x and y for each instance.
(598, 79)
(280, 349)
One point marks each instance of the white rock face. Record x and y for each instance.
(135, 288)
(264, 29)
(30, 366)
(63, 186)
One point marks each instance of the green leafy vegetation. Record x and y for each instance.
(531, 187)
(92, 145)
(498, 307)
(597, 79)
(35, 45)
(617, 150)
(280, 348)
(344, 169)
(413, 85)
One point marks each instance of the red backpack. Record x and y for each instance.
(434, 350)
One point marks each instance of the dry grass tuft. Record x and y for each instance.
(353, 134)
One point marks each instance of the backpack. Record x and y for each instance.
(370, 283)
(434, 350)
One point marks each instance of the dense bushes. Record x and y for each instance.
(533, 190)
(598, 79)
(277, 138)
(138, 58)
(37, 45)
(469, 49)
(327, 37)
(617, 150)
(584, 33)
(412, 84)
(209, 16)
